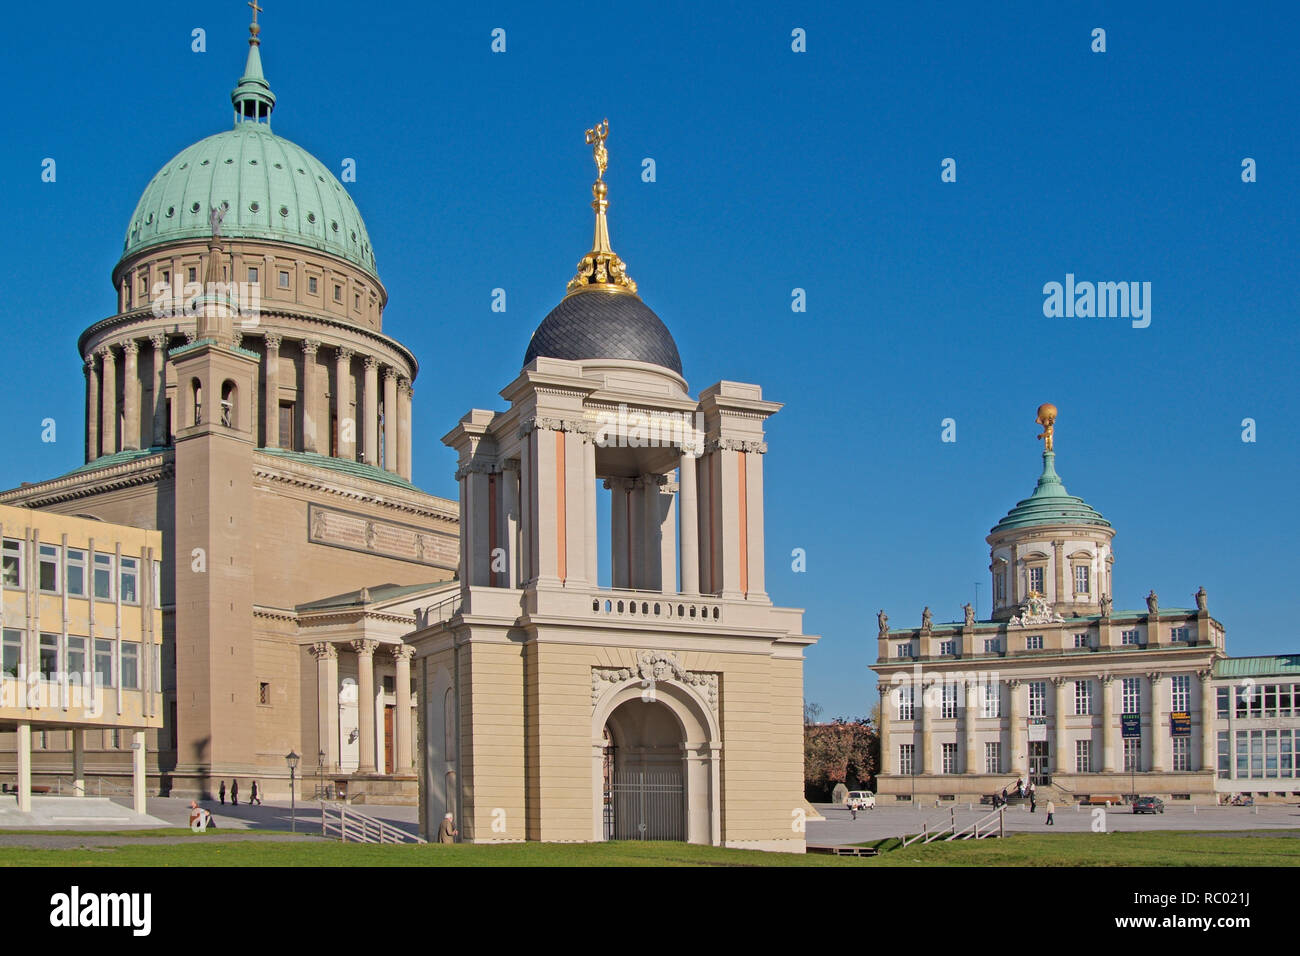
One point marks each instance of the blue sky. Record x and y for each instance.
(775, 170)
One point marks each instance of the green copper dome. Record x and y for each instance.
(1050, 504)
(275, 189)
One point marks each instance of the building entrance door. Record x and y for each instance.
(1039, 767)
(389, 763)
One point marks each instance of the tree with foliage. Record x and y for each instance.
(842, 751)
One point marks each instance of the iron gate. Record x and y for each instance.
(645, 805)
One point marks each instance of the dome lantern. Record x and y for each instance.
(252, 96)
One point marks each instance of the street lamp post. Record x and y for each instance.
(291, 759)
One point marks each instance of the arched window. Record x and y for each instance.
(229, 394)
(196, 394)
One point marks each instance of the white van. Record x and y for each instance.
(860, 800)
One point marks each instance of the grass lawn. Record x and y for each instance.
(1068, 849)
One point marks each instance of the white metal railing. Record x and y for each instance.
(436, 613)
(973, 830)
(351, 826)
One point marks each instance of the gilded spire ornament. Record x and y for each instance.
(601, 268)
(1046, 418)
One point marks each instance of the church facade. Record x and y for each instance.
(656, 696)
(245, 401)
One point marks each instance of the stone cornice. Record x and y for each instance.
(143, 471)
(269, 468)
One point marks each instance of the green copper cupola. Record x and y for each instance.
(252, 96)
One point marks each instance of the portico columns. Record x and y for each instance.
(1209, 752)
(130, 395)
(138, 774)
(347, 444)
(108, 404)
(974, 693)
(159, 436)
(925, 757)
(1017, 763)
(1059, 764)
(618, 515)
(390, 419)
(404, 428)
(1107, 723)
(882, 730)
(24, 744)
(1159, 744)
(310, 396)
(402, 654)
(688, 495)
(327, 701)
(272, 402)
(371, 403)
(366, 703)
(92, 410)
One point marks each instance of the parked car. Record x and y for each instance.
(860, 800)
(1148, 805)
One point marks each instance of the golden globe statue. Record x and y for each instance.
(1046, 418)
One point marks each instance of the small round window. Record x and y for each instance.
(284, 210)
(171, 211)
(311, 217)
(194, 207)
(253, 207)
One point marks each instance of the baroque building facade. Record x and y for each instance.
(658, 696)
(245, 401)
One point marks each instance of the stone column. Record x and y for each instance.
(1058, 559)
(1059, 762)
(79, 763)
(1209, 742)
(402, 654)
(925, 755)
(1018, 764)
(974, 694)
(327, 701)
(139, 776)
(1159, 730)
(371, 402)
(23, 742)
(159, 435)
(365, 650)
(108, 403)
(1108, 748)
(688, 497)
(390, 419)
(618, 544)
(310, 397)
(130, 395)
(92, 410)
(886, 714)
(751, 463)
(404, 428)
(510, 521)
(347, 426)
(272, 401)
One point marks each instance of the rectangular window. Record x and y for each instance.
(1243, 754)
(130, 665)
(1083, 756)
(1034, 642)
(12, 661)
(130, 580)
(1180, 692)
(1081, 581)
(949, 758)
(104, 662)
(263, 692)
(284, 279)
(1132, 755)
(947, 648)
(11, 563)
(76, 656)
(1131, 695)
(1270, 700)
(992, 700)
(905, 761)
(1243, 695)
(993, 645)
(286, 425)
(1225, 755)
(252, 275)
(1036, 580)
(75, 572)
(903, 650)
(1131, 638)
(1180, 635)
(1000, 587)
(1270, 753)
(1082, 641)
(1284, 699)
(948, 705)
(311, 284)
(906, 703)
(192, 275)
(49, 656)
(993, 757)
(1257, 753)
(356, 302)
(103, 577)
(1182, 753)
(338, 293)
(1286, 756)
(1222, 699)
(49, 568)
(1082, 698)
(1038, 698)
(157, 584)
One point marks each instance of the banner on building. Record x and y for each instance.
(1037, 728)
(1130, 726)
(1180, 724)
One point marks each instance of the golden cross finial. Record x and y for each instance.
(596, 138)
(256, 9)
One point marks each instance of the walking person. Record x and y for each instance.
(447, 833)
(222, 793)
(254, 796)
(853, 810)
(1033, 799)
(1051, 809)
(234, 793)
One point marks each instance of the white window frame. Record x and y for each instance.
(992, 703)
(1180, 692)
(128, 568)
(1034, 642)
(12, 551)
(1180, 635)
(992, 645)
(75, 562)
(947, 648)
(49, 555)
(1130, 638)
(1037, 698)
(948, 759)
(1131, 695)
(1083, 698)
(948, 701)
(1132, 755)
(1083, 755)
(1180, 753)
(907, 759)
(906, 702)
(108, 564)
(1041, 573)
(1082, 641)
(993, 756)
(1084, 572)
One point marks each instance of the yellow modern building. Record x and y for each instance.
(82, 643)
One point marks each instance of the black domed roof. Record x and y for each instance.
(598, 324)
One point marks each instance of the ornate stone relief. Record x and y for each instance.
(1035, 611)
(342, 529)
(655, 666)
